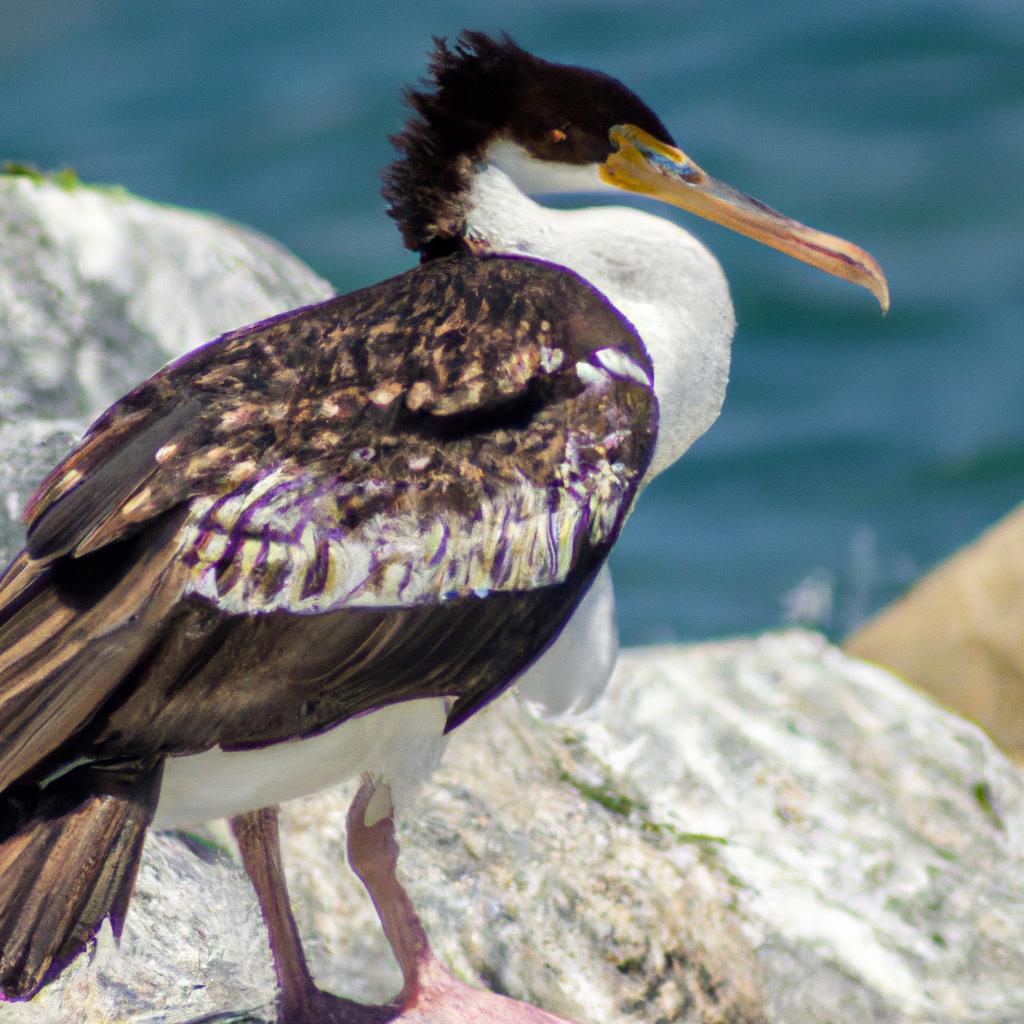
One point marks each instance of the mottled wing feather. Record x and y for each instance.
(469, 426)
(310, 542)
(356, 473)
(108, 468)
(289, 527)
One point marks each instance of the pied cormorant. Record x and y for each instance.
(317, 544)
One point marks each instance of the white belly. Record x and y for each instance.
(401, 744)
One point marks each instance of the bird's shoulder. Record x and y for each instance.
(465, 426)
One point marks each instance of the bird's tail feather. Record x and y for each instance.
(72, 865)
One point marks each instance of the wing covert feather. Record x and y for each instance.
(471, 425)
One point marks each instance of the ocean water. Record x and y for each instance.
(854, 451)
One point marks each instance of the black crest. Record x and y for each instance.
(482, 89)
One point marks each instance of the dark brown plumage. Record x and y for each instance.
(155, 613)
(397, 494)
(73, 867)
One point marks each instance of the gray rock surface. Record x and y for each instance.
(759, 830)
(98, 289)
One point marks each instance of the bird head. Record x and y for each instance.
(556, 128)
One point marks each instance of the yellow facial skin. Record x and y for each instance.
(643, 164)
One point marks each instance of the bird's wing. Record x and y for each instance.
(468, 427)
(474, 426)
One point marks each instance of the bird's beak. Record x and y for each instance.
(641, 163)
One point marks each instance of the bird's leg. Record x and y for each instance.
(373, 856)
(299, 1001)
(430, 995)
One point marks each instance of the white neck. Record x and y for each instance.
(659, 277)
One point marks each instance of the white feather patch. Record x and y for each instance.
(618, 364)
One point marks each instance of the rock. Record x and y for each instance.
(958, 633)
(761, 830)
(98, 289)
(757, 830)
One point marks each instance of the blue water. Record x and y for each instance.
(853, 451)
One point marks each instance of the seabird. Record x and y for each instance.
(317, 544)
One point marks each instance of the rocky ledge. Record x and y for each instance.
(758, 830)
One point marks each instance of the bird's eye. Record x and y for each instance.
(556, 135)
